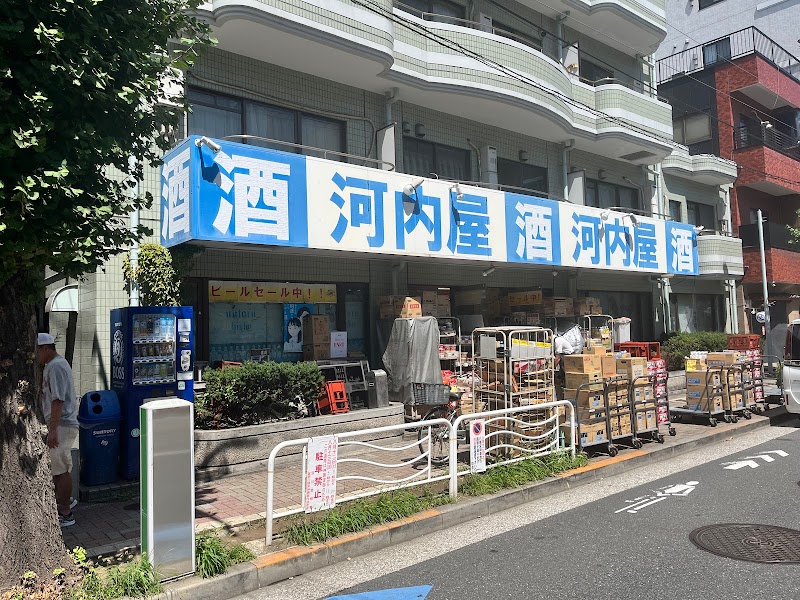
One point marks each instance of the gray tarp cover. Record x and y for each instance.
(412, 355)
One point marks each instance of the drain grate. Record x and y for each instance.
(752, 543)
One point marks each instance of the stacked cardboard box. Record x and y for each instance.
(435, 303)
(404, 307)
(316, 337)
(588, 306)
(563, 307)
(584, 388)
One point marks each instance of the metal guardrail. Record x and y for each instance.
(323, 151)
(756, 134)
(503, 441)
(750, 40)
(776, 235)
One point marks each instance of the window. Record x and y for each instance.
(716, 51)
(701, 215)
(217, 115)
(707, 3)
(692, 129)
(441, 8)
(517, 35)
(511, 172)
(601, 194)
(594, 74)
(423, 158)
(675, 210)
(214, 115)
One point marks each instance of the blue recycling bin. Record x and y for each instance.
(99, 417)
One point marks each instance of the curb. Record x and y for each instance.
(278, 566)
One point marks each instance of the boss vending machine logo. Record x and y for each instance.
(118, 354)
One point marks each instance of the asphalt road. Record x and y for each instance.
(622, 537)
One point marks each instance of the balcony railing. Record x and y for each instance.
(735, 45)
(531, 41)
(776, 235)
(757, 134)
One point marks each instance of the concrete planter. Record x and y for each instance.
(243, 449)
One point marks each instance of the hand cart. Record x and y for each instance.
(733, 399)
(597, 327)
(620, 412)
(713, 409)
(591, 418)
(641, 391)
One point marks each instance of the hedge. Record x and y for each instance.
(255, 393)
(678, 346)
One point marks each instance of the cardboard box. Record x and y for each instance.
(696, 364)
(734, 401)
(573, 380)
(700, 377)
(652, 418)
(632, 368)
(594, 431)
(583, 363)
(412, 308)
(338, 344)
(598, 350)
(429, 310)
(429, 297)
(609, 365)
(729, 357)
(697, 391)
(316, 330)
(532, 319)
(563, 307)
(702, 405)
(586, 399)
(317, 351)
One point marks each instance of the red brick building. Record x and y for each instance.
(739, 97)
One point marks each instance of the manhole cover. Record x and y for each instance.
(753, 543)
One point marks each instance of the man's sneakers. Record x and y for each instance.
(66, 520)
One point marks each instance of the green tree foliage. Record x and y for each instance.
(678, 346)
(80, 85)
(82, 110)
(158, 282)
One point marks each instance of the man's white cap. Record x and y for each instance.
(43, 339)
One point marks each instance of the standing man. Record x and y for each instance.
(60, 407)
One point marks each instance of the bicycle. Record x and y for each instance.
(446, 405)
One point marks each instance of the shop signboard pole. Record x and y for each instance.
(167, 486)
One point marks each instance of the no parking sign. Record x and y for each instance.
(477, 446)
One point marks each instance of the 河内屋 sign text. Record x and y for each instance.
(246, 194)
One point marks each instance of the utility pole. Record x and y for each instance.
(764, 277)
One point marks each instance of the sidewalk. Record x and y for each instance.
(105, 528)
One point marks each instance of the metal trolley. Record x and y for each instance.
(768, 398)
(602, 325)
(591, 418)
(736, 395)
(713, 409)
(644, 406)
(514, 366)
(661, 393)
(621, 416)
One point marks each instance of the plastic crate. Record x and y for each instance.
(748, 341)
(430, 393)
(334, 400)
(648, 350)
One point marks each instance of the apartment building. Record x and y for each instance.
(339, 151)
(729, 69)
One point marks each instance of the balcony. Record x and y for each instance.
(776, 235)
(702, 168)
(394, 46)
(720, 256)
(745, 42)
(755, 134)
(630, 26)
(771, 158)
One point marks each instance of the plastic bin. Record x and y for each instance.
(99, 417)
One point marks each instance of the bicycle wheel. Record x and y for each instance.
(440, 441)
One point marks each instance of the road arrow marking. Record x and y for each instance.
(419, 592)
(741, 464)
(750, 461)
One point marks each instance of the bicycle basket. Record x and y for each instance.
(430, 393)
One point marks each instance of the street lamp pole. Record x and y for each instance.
(763, 272)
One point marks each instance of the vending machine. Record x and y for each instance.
(152, 356)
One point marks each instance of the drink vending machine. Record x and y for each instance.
(152, 356)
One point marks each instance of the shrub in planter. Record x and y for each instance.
(255, 393)
(677, 347)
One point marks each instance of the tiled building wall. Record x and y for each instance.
(682, 190)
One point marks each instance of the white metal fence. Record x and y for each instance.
(513, 434)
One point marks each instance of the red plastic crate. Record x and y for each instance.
(750, 341)
(648, 350)
(334, 400)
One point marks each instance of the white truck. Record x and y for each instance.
(791, 368)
